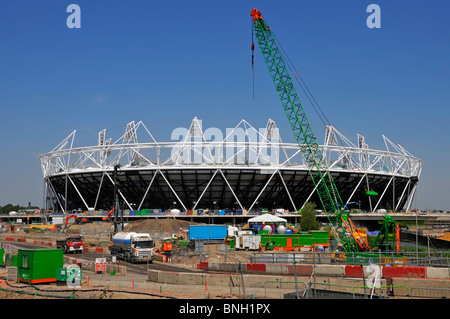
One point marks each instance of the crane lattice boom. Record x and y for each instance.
(312, 155)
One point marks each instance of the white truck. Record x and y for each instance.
(133, 247)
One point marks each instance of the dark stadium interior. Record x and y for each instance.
(247, 184)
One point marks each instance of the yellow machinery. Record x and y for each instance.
(34, 228)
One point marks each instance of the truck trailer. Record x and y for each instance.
(208, 232)
(133, 247)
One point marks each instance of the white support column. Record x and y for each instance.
(120, 193)
(170, 186)
(99, 189)
(353, 193)
(315, 188)
(204, 191)
(56, 195)
(79, 194)
(148, 188)
(382, 195)
(411, 198)
(368, 188)
(287, 191)
(264, 188)
(235, 197)
(403, 194)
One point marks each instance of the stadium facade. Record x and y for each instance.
(243, 168)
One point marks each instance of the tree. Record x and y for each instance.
(308, 220)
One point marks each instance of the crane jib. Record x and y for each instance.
(303, 133)
(311, 152)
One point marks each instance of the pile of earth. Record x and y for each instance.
(163, 225)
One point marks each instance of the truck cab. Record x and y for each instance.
(143, 249)
(71, 244)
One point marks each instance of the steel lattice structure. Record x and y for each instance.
(246, 169)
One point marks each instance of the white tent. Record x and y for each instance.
(266, 218)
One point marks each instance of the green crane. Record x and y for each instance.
(312, 155)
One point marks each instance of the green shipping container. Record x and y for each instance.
(2, 256)
(39, 265)
(297, 240)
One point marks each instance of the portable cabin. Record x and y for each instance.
(39, 265)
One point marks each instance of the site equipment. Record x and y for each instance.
(245, 240)
(166, 247)
(307, 142)
(173, 243)
(133, 247)
(314, 239)
(208, 232)
(42, 227)
(388, 238)
(39, 265)
(71, 244)
(68, 217)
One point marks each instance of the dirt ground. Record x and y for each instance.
(97, 235)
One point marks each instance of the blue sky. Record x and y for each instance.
(164, 62)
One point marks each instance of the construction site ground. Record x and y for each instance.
(132, 285)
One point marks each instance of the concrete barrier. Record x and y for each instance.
(153, 276)
(229, 267)
(348, 271)
(203, 265)
(409, 272)
(168, 277)
(256, 268)
(222, 280)
(401, 286)
(438, 273)
(117, 268)
(420, 288)
(213, 266)
(330, 270)
(191, 279)
(301, 270)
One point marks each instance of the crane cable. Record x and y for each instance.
(319, 111)
(306, 90)
(253, 62)
(304, 87)
(315, 105)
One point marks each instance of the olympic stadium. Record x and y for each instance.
(241, 169)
